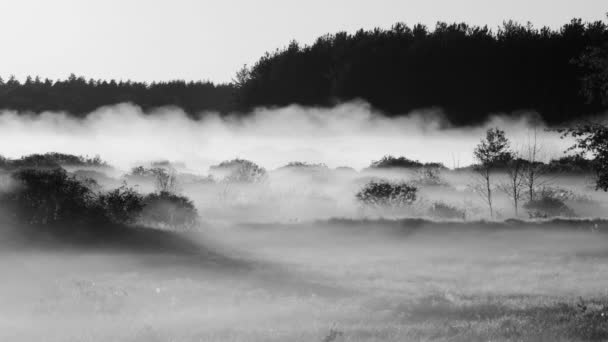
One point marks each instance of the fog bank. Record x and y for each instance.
(351, 134)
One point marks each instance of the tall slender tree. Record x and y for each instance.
(490, 153)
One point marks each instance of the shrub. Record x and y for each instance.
(239, 171)
(54, 160)
(304, 165)
(446, 211)
(45, 197)
(392, 162)
(4, 162)
(164, 178)
(547, 206)
(401, 162)
(122, 205)
(429, 176)
(387, 194)
(169, 210)
(53, 198)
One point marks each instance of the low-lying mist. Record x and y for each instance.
(350, 134)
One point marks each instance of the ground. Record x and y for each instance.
(317, 282)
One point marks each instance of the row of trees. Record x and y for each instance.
(52, 198)
(468, 71)
(79, 96)
(526, 176)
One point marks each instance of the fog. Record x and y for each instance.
(296, 257)
(351, 134)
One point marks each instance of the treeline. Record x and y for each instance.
(79, 96)
(468, 71)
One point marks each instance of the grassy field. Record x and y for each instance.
(336, 281)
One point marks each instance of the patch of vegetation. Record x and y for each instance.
(387, 194)
(446, 211)
(168, 210)
(239, 171)
(52, 160)
(388, 162)
(550, 202)
(429, 176)
(55, 200)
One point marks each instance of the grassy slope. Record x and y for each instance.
(368, 280)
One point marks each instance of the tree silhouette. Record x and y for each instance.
(490, 153)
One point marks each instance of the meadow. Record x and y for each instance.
(336, 280)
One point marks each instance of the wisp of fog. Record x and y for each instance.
(350, 134)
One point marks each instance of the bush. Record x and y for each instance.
(547, 206)
(401, 162)
(446, 211)
(55, 160)
(429, 176)
(52, 198)
(168, 210)
(387, 194)
(122, 205)
(46, 197)
(239, 171)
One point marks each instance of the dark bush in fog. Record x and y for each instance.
(387, 194)
(4, 162)
(169, 210)
(429, 176)
(446, 211)
(122, 205)
(50, 196)
(53, 198)
(569, 164)
(54, 160)
(388, 162)
(547, 206)
(238, 171)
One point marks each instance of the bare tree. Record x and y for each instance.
(166, 179)
(535, 172)
(515, 184)
(489, 153)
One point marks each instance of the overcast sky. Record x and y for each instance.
(187, 39)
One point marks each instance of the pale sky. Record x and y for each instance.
(147, 40)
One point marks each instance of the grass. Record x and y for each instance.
(319, 283)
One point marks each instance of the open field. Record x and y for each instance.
(327, 281)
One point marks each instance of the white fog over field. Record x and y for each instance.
(351, 134)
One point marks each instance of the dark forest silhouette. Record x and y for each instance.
(469, 72)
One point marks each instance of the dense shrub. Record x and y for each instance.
(122, 205)
(387, 194)
(445, 211)
(547, 206)
(50, 196)
(429, 176)
(164, 178)
(54, 160)
(53, 198)
(569, 164)
(388, 162)
(168, 210)
(239, 171)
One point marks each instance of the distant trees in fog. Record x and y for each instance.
(491, 152)
(468, 71)
(79, 96)
(389, 161)
(381, 193)
(238, 171)
(592, 139)
(43, 194)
